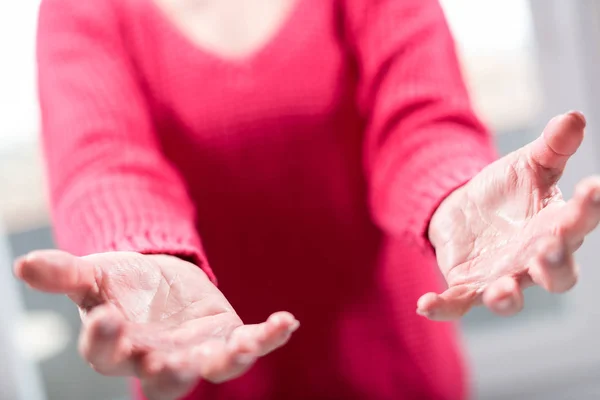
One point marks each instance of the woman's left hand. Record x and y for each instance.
(509, 227)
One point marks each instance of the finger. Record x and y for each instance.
(553, 267)
(261, 339)
(167, 377)
(452, 304)
(218, 361)
(504, 296)
(103, 342)
(559, 141)
(581, 214)
(56, 271)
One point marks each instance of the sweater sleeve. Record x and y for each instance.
(423, 139)
(111, 188)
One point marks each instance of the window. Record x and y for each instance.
(498, 54)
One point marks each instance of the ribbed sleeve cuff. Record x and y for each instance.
(108, 217)
(408, 190)
(188, 249)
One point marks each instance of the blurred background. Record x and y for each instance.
(524, 60)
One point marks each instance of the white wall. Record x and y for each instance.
(18, 108)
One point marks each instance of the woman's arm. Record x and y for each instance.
(507, 228)
(111, 187)
(148, 316)
(423, 139)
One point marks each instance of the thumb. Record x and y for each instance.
(559, 141)
(56, 271)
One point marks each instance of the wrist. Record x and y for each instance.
(173, 258)
(187, 256)
(445, 218)
(180, 261)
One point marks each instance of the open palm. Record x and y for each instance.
(509, 227)
(156, 317)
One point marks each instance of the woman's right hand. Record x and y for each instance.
(156, 317)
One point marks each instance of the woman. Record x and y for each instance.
(315, 157)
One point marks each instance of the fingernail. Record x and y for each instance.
(555, 257)
(294, 327)
(504, 304)
(275, 319)
(20, 259)
(19, 266)
(596, 197)
(17, 270)
(107, 328)
(185, 376)
(245, 358)
(579, 115)
(423, 313)
(29, 256)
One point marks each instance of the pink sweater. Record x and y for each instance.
(302, 177)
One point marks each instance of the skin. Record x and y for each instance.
(159, 318)
(170, 328)
(231, 29)
(509, 227)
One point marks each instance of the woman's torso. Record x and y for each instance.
(268, 138)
